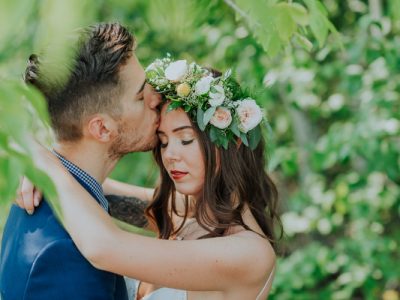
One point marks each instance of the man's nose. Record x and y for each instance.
(155, 100)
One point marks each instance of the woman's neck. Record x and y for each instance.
(192, 232)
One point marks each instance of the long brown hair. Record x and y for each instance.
(233, 177)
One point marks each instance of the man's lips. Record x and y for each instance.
(178, 174)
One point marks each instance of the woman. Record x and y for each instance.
(210, 207)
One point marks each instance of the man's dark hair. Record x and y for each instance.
(93, 84)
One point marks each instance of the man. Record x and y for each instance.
(102, 112)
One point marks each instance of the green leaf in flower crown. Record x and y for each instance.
(254, 137)
(213, 134)
(167, 96)
(233, 86)
(222, 138)
(208, 114)
(200, 119)
(174, 105)
(151, 74)
(243, 137)
(234, 127)
(225, 142)
(227, 74)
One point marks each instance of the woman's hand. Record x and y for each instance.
(29, 196)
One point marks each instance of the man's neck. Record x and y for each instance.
(91, 158)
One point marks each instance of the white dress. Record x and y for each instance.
(159, 294)
(168, 293)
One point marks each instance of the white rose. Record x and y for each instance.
(218, 97)
(203, 85)
(250, 114)
(158, 63)
(152, 67)
(176, 70)
(222, 118)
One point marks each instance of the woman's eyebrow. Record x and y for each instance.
(176, 129)
(181, 128)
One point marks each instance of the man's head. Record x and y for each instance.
(105, 98)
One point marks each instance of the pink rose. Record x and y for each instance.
(250, 114)
(222, 118)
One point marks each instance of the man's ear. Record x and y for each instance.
(102, 128)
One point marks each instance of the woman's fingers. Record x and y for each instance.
(19, 200)
(27, 195)
(37, 196)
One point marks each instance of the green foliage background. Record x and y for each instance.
(334, 111)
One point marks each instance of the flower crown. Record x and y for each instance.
(217, 104)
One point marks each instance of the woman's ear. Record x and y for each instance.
(102, 128)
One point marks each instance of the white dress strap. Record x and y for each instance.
(266, 284)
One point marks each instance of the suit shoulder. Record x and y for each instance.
(60, 268)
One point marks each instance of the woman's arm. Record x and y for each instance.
(211, 264)
(114, 187)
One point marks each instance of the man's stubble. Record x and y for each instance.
(129, 141)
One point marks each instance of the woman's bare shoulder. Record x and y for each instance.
(257, 244)
(258, 256)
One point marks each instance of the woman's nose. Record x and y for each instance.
(170, 153)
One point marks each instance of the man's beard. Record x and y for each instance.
(130, 142)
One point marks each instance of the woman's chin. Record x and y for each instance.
(186, 190)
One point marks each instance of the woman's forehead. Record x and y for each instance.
(173, 119)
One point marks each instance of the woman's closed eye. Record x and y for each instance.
(187, 142)
(184, 142)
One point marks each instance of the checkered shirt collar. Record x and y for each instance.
(92, 183)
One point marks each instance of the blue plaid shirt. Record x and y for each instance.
(92, 183)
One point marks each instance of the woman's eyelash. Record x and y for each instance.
(162, 145)
(187, 142)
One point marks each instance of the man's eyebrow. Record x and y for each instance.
(141, 88)
(176, 129)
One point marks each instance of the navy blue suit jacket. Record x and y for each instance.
(39, 260)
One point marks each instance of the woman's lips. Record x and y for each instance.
(178, 174)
